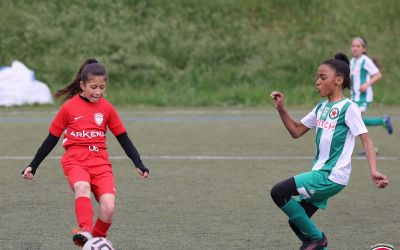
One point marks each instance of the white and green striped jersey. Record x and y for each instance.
(362, 69)
(337, 124)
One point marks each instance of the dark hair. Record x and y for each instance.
(91, 67)
(340, 63)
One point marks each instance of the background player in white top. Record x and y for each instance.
(337, 121)
(364, 73)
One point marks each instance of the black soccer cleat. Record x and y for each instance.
(315, 244)
(80, 237)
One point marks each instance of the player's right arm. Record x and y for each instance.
(296, 129)
(56, 129)
(48, 144)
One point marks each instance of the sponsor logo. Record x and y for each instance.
(78, 117)
(382, 247)
(326, 125)
(98, 118)
(324, 113)
(87, 134)
(334, 113)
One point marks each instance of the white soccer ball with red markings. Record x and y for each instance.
(98, 243)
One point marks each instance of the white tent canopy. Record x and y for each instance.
(18, 86)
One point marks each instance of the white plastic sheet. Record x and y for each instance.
(18, 86)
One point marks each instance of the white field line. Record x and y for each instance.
(203, 157)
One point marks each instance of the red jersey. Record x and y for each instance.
(85, 124)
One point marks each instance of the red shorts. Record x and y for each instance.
(92, 166)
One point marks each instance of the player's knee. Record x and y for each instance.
(274, 192)
(276, 195)
(82, 189)
(107, 209)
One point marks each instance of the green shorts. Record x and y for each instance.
(315, 188)
(363, 105)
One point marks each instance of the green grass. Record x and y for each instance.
(193, 204)
(199, 53)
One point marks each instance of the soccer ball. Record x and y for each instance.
(98, 243)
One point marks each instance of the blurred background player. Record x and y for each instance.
(84, 119)
(337, 121)
(365, 73)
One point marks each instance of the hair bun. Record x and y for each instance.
(342, 57)
(91, 60)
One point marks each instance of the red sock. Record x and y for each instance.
(100, 228)
(84, 213)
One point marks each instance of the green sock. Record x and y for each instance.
(373, 121)
(298, 217)
(299, 234)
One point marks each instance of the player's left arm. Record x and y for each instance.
(133, 154)
(378, 178)
(371, 81)
(357, 127)
(375, 78)
(374, 72)
(118, 129)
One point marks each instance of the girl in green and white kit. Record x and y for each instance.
(364, 73)
(337, 121)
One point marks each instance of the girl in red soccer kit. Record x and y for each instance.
(83, 119)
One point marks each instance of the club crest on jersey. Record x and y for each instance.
(334, 113)
(98, 118)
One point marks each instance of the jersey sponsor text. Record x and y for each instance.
(87, 134)
(326, 125)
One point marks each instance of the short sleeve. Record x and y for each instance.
(114, 122)
(354, 120)
(370, 66)
(59, 123)
(310, 120)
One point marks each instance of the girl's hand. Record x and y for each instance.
(143, 172)
(380, 180)
(278, 99)
(27, 173)
(363, 88)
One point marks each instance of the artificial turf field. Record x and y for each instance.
(211, 173)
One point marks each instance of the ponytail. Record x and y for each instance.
(74, 87)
